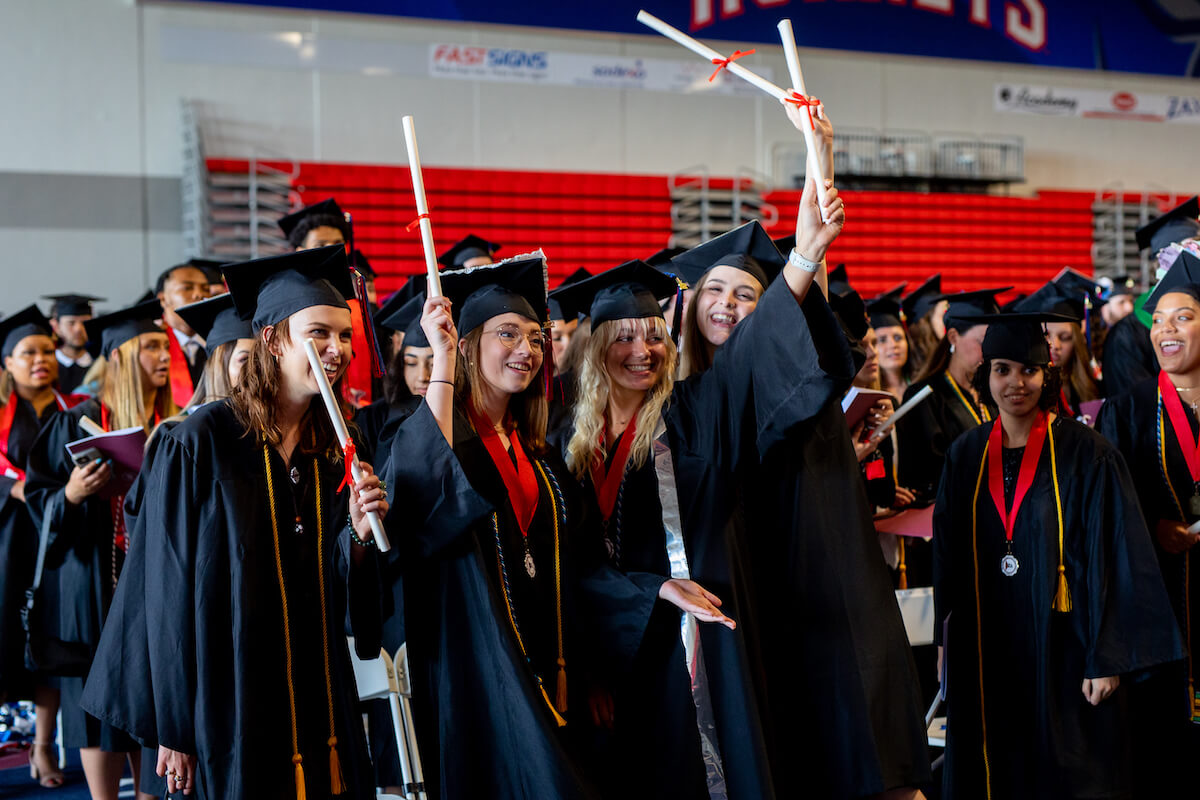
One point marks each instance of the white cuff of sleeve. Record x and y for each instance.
(797, 260)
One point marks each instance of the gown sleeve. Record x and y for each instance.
(1125, 585)
(433, 502)
(779, 368)
(47, 472)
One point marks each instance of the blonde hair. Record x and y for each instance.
(587, 442)
(121, 392)
(1080, 375)
(213, 385)
(528, 409)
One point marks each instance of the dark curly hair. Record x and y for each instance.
(1050, 399)
(300, 232)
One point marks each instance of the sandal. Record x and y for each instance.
(48, 775)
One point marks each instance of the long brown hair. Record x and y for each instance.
(528, 409)
(1080, 376)
(937, 362)
(922, 343)
(121, 392)
(254, 400)
(572, 357)
(695, 352)
(594, 388)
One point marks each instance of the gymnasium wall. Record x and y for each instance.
(90, 142)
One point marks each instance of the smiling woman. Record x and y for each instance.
(242, 501)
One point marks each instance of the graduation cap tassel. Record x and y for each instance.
(337, 784)
(560, 693)
(1062, 593)
(903, 565)
(360, 293)
(677, 316)
(298, 760)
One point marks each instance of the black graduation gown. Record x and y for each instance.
(217, 684)
(1167, 740)
(655, 749)
(926, 433)
(18, 552)
(483, 724)
(815, 689)
(82, 554)
(1128, 356)
(69, 378)
(1043, 739)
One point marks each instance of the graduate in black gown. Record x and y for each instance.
(68, 313)
(777, 524)
(1046, 584)
(924, 313)
(408, 371)
(1154, 426)
(254, 556)
(28, 400)
(88, 538)
(625, 380)
(1068, 345)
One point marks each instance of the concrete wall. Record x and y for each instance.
(91, 145)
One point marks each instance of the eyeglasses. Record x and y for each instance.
(510, 336)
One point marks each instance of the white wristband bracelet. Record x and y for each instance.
(797, 260)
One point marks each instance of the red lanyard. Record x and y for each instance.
(7, 468)
(607, 484)
(181, 379)
(520, 481)
(1029, 462)
(1179, 423)
(1066, 404)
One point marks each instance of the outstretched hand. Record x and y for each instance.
(695, 599)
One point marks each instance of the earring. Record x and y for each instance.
(951, 348)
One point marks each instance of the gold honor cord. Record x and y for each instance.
(559, 707)
(1193, 698)
(975, 415)
(337, 785)
(1062, 596)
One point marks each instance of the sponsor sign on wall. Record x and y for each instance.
(1054, 101)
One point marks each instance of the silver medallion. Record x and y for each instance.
(1009, 565)
(294, 475)
(609, 547)
(529, 566)
(299, 528)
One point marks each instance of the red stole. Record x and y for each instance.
(181, 380)
(519, 480)
(356, 386)
(608, 484)
(7, 468)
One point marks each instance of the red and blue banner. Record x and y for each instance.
(1159, 37)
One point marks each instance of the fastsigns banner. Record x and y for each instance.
(1054, 101)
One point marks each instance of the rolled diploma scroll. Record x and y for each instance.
(418, 182)
(810, 138)
(1194, 527)
(339, 427)
(901, 411)
(651, 21)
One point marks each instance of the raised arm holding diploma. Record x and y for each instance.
(418, 182)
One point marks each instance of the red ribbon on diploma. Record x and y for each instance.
(722, 63)
(347, 456)
(416, 222)
(807, 103)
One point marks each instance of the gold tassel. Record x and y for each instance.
(903, 565)
(337, 784)
(560, 698)
(1062, 597)
(301, 794)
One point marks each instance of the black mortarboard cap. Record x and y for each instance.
(1184, 270)
(664, 256)
(746, 247)
(839, 280)
(269, 290)
(631, 291)
(1174, 226)
(516, 285)
(1018, 337)
(407, 319)
(328, 207)
(216, 320)
(395, 301)
(470, 247)
(360, 262)
(72, 305)
(1124, 284)
(852, 312)
(920, 300)
(967, 304)
(556, 311)
(29, 321)
(785, 244)
(884, 310)
(1053, 299)
(107, 333)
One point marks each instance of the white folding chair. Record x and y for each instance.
(410, 757)
(916, 607)
(376, 680)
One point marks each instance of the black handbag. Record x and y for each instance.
(47, 654)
